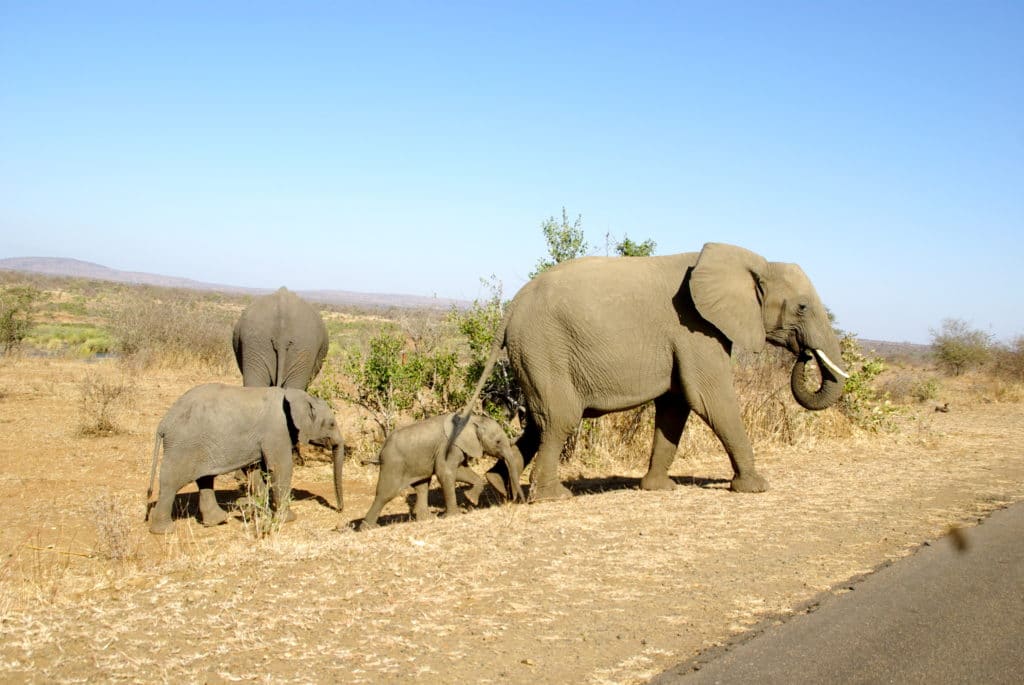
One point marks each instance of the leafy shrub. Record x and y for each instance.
(501, 397)
(17, 307)
(957, 347)
(861, 402)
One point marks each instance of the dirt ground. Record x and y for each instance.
(612, 586)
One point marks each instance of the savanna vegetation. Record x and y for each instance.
(641, 579)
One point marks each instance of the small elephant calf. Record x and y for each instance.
(414, 453)
(216, 428)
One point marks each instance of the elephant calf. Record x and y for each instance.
(414, 453)
(216, 428)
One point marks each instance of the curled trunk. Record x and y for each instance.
(826, 395)
(337, 457)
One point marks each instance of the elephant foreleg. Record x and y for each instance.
(721, 412)
(420, 509)
(210, 511)
(670, 414)
(464, 474)
(446, 474)
(281, 485)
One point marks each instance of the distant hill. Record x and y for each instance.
(897, 350)
(75, 268)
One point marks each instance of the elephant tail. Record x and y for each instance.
(462, 417)
(152, 469)
(496, 347)
(367, 462)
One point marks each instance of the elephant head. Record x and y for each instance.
(751, 301)
(481, 435)
(314, 423)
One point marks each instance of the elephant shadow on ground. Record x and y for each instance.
(593, 486)
(579, 486)
(186, 504)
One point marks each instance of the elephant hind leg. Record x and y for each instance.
(670, 414)
(554, 431)
(209, 509)
(527, 445)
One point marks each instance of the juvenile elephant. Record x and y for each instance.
(598, 335)
(216, 428)
(414, 453)
(279, 340)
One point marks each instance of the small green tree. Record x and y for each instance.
(565, 241)
(629, 248)
(501, 396)
(958, 347)
(386, 378)
(17, 308)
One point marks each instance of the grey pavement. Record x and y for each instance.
(942, 615)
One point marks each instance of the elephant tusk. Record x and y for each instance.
(836, 371)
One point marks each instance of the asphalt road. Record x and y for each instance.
(943, 615)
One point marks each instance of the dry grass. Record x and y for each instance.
(102, 398)
(607, 587)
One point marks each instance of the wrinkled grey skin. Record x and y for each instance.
(599, 335)
(414, 453)
(279, 340)
(216, 428)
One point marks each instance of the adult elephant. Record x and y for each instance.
(604, 334)
(280, 340)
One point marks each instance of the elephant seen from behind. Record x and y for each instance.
(216, 428)
(603, 334)
(280, 340)
(412, 454)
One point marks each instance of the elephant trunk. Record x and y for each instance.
(832, 381)
(338, 456)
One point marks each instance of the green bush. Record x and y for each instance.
(17, 309)
(958, 347)
(862, 403)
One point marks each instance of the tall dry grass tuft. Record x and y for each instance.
(259, 515)
(100, 402)
(115, 532)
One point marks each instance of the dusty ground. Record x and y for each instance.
(610, 587)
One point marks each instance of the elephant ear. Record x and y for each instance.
(301, 413)
(467, 439)
(727, 286)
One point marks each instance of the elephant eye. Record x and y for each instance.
(801, 308)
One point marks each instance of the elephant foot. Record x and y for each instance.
(158, 527)
(366, 525)
(497, 482)
(289, 516)
(749, 482)
(549, 492)
(215, 518)
(657, 482)
(422, 514)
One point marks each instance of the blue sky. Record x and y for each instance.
(413, 147)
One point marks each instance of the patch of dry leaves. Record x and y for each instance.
(609, 587)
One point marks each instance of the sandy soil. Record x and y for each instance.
(612, 586)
